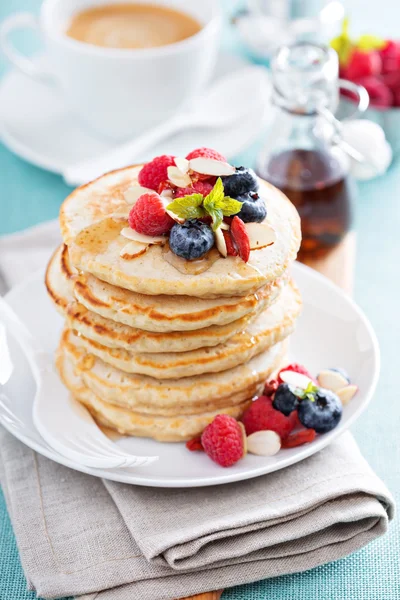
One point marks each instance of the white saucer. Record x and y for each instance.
(36, 125)
(332, 332)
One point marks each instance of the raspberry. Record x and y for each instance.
(148, 215)
(305, 436)
(155, 172)
(240, 237)
(195, 445)
(200, 187)
(230, 246)
(297, 368)
(261, 415)
(224, 440)
(206, 153)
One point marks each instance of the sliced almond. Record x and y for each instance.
(264, 443)
(347, 393)
(135, 236)
(167, 199)
(182, 164)
(133, 250)
(260, 235)
(176, 177)
(167, 193)
(332, 380)
(220, 242)
(134, 192)
(297, 380)
(210, 166)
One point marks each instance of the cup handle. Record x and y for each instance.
(23, 20)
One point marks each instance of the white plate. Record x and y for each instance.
(36, 125)
(332, 331)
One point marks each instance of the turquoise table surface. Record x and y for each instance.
(29, 195)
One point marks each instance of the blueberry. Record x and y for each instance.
(285, 400)
(191, 240)
(322, 411)
(253, 208)
(242, 181)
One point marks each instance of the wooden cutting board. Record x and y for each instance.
(339, 267)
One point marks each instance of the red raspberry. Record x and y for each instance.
(261, 415)
(297, 368)
(200, 187)
(148, 215)
(206, 153)
(155, 172)
(195, 445)
(224, 440)
(305, 436)
(240, 237)
(230, 246)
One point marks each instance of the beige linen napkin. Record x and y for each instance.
(79, 535)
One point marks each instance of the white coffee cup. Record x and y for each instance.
(118, 92)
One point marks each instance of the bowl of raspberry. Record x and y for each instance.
(374, 63)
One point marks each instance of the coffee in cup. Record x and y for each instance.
(132, 25)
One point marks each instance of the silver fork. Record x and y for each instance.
(64, 424)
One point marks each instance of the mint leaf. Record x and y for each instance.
(218, 205)
(231, 206)
(367, 42)
(343, 44)
(188, 207)
(308, 393)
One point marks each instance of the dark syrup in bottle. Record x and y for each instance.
(318, 185)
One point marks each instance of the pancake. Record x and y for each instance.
(95, 244)
(60, 286)
(189, 396)
(269, 328)
(163, 429)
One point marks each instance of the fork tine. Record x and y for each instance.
(126, 460)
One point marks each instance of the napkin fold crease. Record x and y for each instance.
(103, 540)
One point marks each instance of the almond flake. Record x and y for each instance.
(220, 242)
(260, 235)
(182, 164)
(167, 193)
(176, 177)
(133, 250)
(134, 192)
(264, 443)
(135, 236)
(332, 380)
(297, 380)
(347, 393)
(210, 166)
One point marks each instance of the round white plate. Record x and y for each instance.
(36, 124)
(331, 332)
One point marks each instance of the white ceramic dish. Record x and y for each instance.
(37, 126)
(332, 331)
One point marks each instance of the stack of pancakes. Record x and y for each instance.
(155, 346)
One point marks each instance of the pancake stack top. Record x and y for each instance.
(154, 344)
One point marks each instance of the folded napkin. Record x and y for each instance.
(79, 535)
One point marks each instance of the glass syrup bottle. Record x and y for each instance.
(300, 157)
